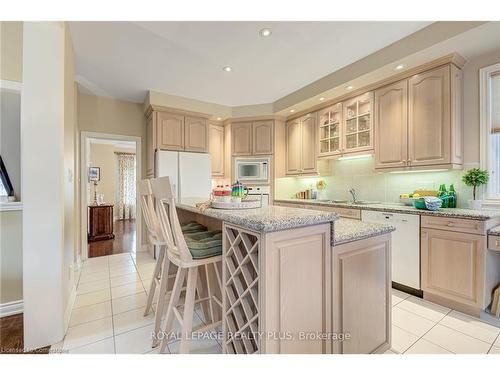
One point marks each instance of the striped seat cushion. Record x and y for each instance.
(193, 227)
(204, 244)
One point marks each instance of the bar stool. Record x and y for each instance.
(190, 253)
(156, 238)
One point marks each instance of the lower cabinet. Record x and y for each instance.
(453, 266)
(361, 303)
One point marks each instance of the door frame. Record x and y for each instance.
(84, 153)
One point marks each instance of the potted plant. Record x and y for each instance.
(475, 177)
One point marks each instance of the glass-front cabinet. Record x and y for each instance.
(358, 116)
(330, 130)
(346, 127)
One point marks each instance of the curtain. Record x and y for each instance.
(126, 186)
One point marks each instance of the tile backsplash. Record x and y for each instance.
(371, 185)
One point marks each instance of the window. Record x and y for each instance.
(490, 124)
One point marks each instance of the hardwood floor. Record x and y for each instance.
(124, 241)
(11, 336)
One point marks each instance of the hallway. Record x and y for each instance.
(124, 241)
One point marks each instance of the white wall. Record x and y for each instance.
(47, 278)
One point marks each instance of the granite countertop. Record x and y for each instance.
(265, 219)
(495, 231)
(460, 213)
(349, 230)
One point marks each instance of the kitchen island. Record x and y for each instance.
(289, 287)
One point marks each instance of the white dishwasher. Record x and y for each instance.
(405, 245)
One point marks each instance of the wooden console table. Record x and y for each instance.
(100, 223)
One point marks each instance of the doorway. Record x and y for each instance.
(110, 211)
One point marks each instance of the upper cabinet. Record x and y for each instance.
(418, 121)
(150, 147)
(346, 127)
(391, 125)
(170, 131)
(330, 130)
(358, 129)
(176, 132)
(195, 134)
(301, 146)
(241, 138)
(216, 147)
(252, 138)
(262, 137)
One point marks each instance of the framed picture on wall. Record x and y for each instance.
(94, 174)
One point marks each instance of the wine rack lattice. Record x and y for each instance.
(240, 298)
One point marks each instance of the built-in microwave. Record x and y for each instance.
(252, 169)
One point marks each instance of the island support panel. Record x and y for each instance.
(277, 290)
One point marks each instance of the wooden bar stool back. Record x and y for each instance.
(180, 255)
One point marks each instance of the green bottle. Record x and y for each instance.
(453, 197)
(444, 197)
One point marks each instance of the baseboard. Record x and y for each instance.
(69, 308)
(11, 308)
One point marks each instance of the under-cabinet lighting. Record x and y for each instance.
(420, 171)
(227, 69)
(355, 157)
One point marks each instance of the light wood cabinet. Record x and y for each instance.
(453, 265)
(216, 147)
(301, 146)
(196, 134)
(418, 121)
(241, 139)
(358, 128)
(429, 117)
(170, 128)
(362, 270)
(391, 125)
(263, 140)
(330, 130)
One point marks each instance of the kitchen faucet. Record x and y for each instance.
(354, 197)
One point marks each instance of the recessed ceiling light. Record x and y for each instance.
(292, 110)
(227, 69)
(349, 87)
(400, 66)
(321, 99)
(219, 118)
(265, 32)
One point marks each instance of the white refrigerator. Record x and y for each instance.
(190, 173)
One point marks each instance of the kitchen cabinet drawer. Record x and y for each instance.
(494, 243)
(454, 225)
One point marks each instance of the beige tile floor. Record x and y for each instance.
(112, 291)
(107, 317)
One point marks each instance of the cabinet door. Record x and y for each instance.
(330, 130)
(358, 127)
(263, 139)
(391, 125)
(216, 146)
(429, 118)
(309, 145)
(170, 129)
(453, 265)
(293, 147)
(196, 134)
(241, 139)
(150, 146)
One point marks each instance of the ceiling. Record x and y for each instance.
(124, 60)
